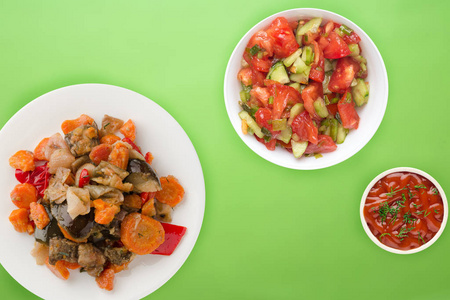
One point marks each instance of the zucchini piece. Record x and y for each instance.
(251, 123)
(299, 66)
(279, 124)
(360, 92)
(307, 55)
(298, 148)
(321, 109)
(301, 78)
(278, 73)
(312, 25)
(288, 61)
(341, 134)
(296, 86)
(295, 111)
(285, 135)
(354, 48)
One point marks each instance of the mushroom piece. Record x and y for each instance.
(142, 176)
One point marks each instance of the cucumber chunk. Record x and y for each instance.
(341, 134)
(279, 124)
(278, 73)
(320, 107)
(354, 48)
(285, 135)
(288, 61)
(312, 25)
(295, 111)
(299, 66)
(301, 78)
(334, 129)
(307, 55)
(298, 148)
(251, 123)
(296, 86)
(360, 92)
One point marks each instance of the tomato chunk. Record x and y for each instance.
(284, 40)
(304, 127)
(336, 48)
(346, 108)
(342, 77)
(325, 144)
(309, 95)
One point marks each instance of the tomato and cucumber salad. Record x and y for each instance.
(302, 82)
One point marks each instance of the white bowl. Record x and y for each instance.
(371, 114)
(410, 170)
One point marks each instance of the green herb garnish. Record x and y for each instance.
(404, 232)
(254, 50)
(436, 211)
(421, 239)
(426, 213)
(104, 127)
(386, 233)
(408, 219)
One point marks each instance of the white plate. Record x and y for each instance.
(371, 113)
(157, 132)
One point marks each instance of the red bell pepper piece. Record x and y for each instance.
(39, 178)
(173, 235)
(84, 178)
(145, 196)
(135, 147)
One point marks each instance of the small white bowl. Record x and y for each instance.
(410, 170)
(371, 114)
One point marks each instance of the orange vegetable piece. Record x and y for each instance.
(148, 208)
(119, 155)
(149, 158)
(59, 269)
(106, 279)
(104, 212)
(23, 195)
(132, 201)
(100, 152)
(39, 215)
(70, 265)
(23, 160)
(129, 130)
(141, 234)
(69, 125)
(19, 219)
(39, 152)
(172, 192)
(109, 139)
(119, 268)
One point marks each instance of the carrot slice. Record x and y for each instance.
(109, 139)
(148, 208)
(106, 279)
(23, 160)
(39, 152)
(69, 265)
(69, 125)
(39, 215)
(104, 212)
(19, 219)
(119, 268)
(23, 195)
(119, 155)
(100, 152)
(129, 130)
(141, 234)
(59, 269)
(132, 201)
(172, 192)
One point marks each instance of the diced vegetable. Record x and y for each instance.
(171, 193)
(288, 61)
(251, 123)
(23, 195)
(173, 235)
(39, 215)
(278, 73)
(298, 148)
(22, 160)
(321, 109)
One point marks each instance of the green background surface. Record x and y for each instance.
(268, 232)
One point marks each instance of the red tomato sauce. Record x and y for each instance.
(404, 210)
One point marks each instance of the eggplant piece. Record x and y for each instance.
(142, 176)
(163, 212)
(79, 162)
(82, 139)
(51, 230)
(79, 228)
